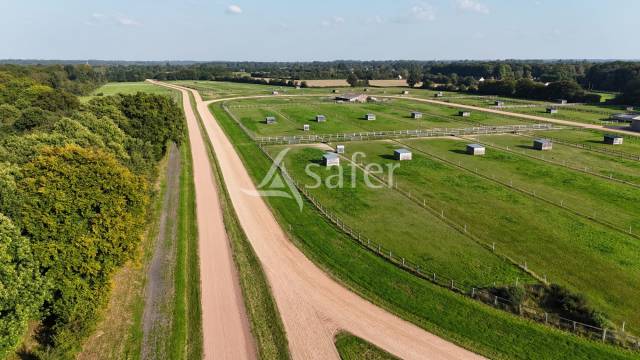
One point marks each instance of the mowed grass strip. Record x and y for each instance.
(400, 225)
(353, 348)
(594, 139)
(130, 88)
(603, 164)
(601, 263)
(475, 326)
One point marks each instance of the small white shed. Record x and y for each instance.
(275, 92)
(476, 149)
(402, 154)
(330, 159)
(612, 139)
(321, 118)
(339, 149)
(405, 92)
(552, 110)
(542, 144)
(416, 114)
(306, 127)
(370, 116)
(270, 120)
(464, 113)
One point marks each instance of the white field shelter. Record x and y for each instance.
(439, 94)
(562, 101)
(476, 149)
(330, 159)
(402, 154)
(270, 120)
(305, 127)
(630, 108)
(321, 118)
(551, 110)
(613, 139)
(542, 144)
(405, 92)
(499, 103)
(340, 149)
(275, 92)
(370, 117)
(464, 113)
(416, 114)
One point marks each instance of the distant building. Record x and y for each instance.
(464, 113)
(481, 79)
(275, 92)
(562, 101)
(399, 77)
(542, 144)
(335, 91)
(330, 159)
(612, 139)
(370, 116)
(439, 94)
(499, 103)
(305, 127)
(340, 149)
(476, 149)
(321, 118)
(402, 154)
(552, 110)
(629, 108)
(352, 97)
(270, 120)
(416, 114)
(365, 89)
(405, 92)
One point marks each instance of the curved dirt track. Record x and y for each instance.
(313, 306)
(225, 328)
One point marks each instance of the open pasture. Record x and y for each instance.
(292, 113)
(399, 224)
(130, 88)
(597, 261)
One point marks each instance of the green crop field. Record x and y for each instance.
(292, 113)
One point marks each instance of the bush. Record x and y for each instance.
(570, 305)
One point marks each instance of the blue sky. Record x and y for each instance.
(289, 30)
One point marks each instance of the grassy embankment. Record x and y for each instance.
(266, 325)
(475, 326)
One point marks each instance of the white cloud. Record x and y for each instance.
(234, 9)
(422, 12)
(126, 21)
(472, 5)
(334, 21)
(99, 19)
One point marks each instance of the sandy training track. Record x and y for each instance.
(225, 328)
(313, 306)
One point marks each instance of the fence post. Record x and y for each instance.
(495, 300)
(452, 284)
(434, 277)
(402, 261)
(473, 292)
(546, 318)
(604, 334)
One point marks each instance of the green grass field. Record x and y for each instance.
(490, 332)
(130, 88)
(402, 226)
(292, 113)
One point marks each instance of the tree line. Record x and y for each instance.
(75, 184)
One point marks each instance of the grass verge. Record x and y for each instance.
(477, 327)
(353, 348)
